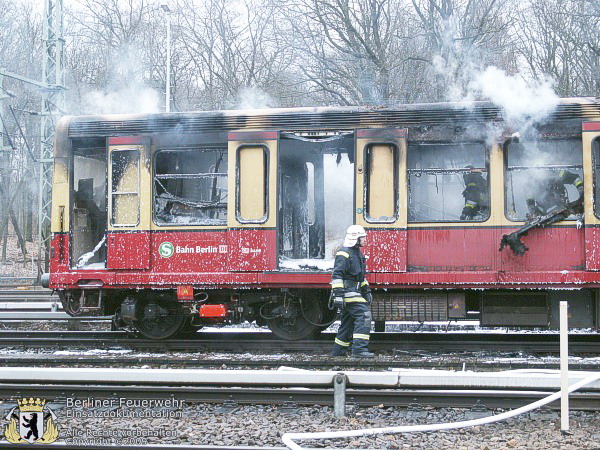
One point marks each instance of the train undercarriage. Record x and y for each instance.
(295, 314)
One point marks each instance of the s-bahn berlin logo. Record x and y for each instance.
(32, 422)
(166, 249)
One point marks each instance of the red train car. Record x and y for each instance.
(176, 221)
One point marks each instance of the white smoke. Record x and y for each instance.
(131, 99)
(254, 98)
(522, 104)
(127, 88)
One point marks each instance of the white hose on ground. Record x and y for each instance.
(289, 438)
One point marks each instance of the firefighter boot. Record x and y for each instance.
(364, 354)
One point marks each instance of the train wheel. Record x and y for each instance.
(159, 318)
(299, 318)
(190, 328)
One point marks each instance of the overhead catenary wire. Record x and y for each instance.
(290, 438)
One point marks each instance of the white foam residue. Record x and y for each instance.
(306, 264)
(91, 352)
(83, 259)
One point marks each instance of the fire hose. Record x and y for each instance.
(289, 438)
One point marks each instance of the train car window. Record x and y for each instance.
(542, 176)
(596, 171)
(89, 217)
(252, 184)
(125, 192)
(447, 182)
(381, 183)
(190, 187)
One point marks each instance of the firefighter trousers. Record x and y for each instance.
(355, 328)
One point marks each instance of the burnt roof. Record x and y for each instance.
(312, 118)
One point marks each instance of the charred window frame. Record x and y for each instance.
(453, 168)
(265, 183)
(527, 162)
(310, 189)
(120, 160)
(179, 194)
(596, 175)
(369, 178)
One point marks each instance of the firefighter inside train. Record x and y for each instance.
(351, 293)
(90, 223)
(549, 194)
(475, 194)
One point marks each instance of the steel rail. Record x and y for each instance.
(416, 399)
(27, 295)
(389, 343)
(15, 282)
(259, 361)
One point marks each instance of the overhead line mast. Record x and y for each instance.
(53, 100)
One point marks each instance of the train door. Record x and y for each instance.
(591, 155)
(381, 196)
(88, 212)
(316, 197)
(129, 191)
(251, 219)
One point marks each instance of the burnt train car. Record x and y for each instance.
(171, 222)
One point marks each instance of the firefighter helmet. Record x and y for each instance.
(352, 234)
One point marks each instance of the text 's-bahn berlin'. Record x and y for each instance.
(173, 222)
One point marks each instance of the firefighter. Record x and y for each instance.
(550, 193)
(474, 194)
(351, 289)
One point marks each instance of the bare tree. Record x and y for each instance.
(561, 38)
(348, 50)
(232, 48)
(462, 36)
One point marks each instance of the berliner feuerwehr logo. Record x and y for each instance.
(31, 422)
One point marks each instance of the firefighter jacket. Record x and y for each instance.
(550, 194)
(474, 194)
(348, 277)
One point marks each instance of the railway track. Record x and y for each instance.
(415, 399)
(321, 362)
(296, 387)
(384, 343)
(26, 295)
(8, 282)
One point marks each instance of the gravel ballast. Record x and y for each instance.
(205, 424)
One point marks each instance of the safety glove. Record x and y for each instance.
(366, 293)
(338, 298)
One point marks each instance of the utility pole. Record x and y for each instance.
(4, 164)
(167, 11)
(53, 100)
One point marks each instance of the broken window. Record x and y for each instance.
(190, 187)
(542, 176)
(252, 184)
(440, 179)
(381, 182)
(89, 202)
(125, 192)
(596, 163)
